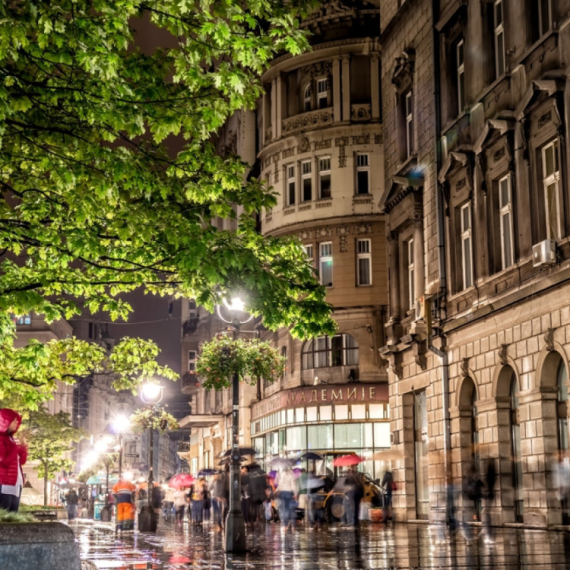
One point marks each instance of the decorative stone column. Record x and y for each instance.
(279, 108)
(346, 88)
(274, 108)
(336, 90)
(393, 328)
(375, 86)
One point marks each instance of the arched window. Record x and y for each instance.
(324, 351)
(307, 98)
(516, 449)
(562, 408)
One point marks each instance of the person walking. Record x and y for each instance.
(72, 500)
(388, 485)
(490, 481)
(198, 501)
(218, 493)
(354, 493)
(179, 500)
(124, 492)
(288, 489)
(257, 486)
(13, 454)
(245, 496)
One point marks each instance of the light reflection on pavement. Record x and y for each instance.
(414, 546)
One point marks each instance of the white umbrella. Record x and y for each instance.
(281, 463)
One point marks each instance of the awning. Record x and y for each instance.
(201, 420)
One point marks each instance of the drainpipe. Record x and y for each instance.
(441, 353)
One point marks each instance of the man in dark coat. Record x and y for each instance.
(257, 486)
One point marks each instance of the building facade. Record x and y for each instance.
(476, 118)
(318, 141)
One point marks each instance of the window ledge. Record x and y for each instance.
(530, 50)
(405, 167)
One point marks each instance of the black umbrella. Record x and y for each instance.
(241, 451)
(207, 472)
(311, 456)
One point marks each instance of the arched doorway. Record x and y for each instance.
(515, 430)
(562, 425)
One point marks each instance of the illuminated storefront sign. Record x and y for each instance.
(336, 394)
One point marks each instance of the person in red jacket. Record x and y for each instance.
(13, 455)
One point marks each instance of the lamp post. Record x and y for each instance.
(151, 394)
(235, 524)
(120, 426)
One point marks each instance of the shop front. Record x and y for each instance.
(351, 418)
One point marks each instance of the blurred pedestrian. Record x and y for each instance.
(353, 496)
(157, 497)
(288, 490)
(124, 492)
(180, 500)
(198, 501)
(490, 480)
(71, 501)
(245, 496)
(389, 487)
(168, 503)
(218, 493)
(206, 506)
(13, 455)
(257, 486)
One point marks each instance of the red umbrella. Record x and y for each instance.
(181, 481)
(347, 460)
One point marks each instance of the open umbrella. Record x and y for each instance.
(348, 460)
(241, 451)
(311, 456)
(281, 463)
(388, 455)
(207, 472)
(181, 481)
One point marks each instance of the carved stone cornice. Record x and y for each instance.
(307, 121)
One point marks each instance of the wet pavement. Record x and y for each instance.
(403, 546)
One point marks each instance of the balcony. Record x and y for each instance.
(190, 384)
(190, 326)
(307, 121)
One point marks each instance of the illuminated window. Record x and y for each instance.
(306, 181)
(362, 174)
(324, 177)
(326, 264)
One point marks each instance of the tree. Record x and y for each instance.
(50, 438)
(110, 176)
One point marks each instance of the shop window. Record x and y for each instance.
(320, 437)
(324, 177)
(362, 174)
(306, 181)
(364, 262)
(290, 185)
(326, 264)
(382, 434)
(324, 351)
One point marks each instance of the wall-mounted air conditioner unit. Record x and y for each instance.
(544, 253)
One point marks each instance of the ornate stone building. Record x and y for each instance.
(478, 222)
(318, 141)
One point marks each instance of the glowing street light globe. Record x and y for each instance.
(236, 304)
(121, 424)
(151, 393)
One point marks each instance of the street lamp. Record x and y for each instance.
(151, 394)
(235, 524)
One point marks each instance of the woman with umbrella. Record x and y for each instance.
(354, 487)
(288, 489)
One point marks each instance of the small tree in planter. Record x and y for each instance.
(223, 357)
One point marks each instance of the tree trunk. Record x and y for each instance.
(45, 484)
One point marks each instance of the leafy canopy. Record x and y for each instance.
(109, 174)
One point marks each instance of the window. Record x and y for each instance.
(460, 59)
(306, 181)
(307, 98)
(506, 221)
(324, 351)
(192, 361)
(362, 174)
(550, 184)
(192, 308)
(290, 185)
(544, 16)
(322, 94)
(309, 252)
(466, 247)
(27, 320)
(364, 262)
(325, 264)
(410, 263)
(324, 177)
(499, 38)
(409, 122)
